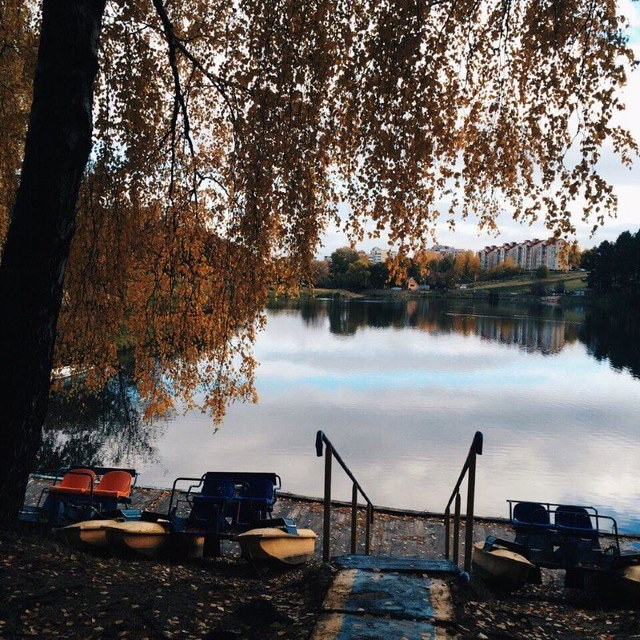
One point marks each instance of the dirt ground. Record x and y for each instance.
(540, 612)
(49, 590)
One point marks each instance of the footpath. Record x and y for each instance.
(380, 597)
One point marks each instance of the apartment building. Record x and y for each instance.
(528, 255)
(444, 250)
(378, 255)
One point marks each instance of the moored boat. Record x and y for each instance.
(627, 582)
(147, 538)
(507, 568)
(616, 586)
(154, 540)
(278, 545)
(87, 534)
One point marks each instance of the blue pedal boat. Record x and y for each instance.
(575, 538)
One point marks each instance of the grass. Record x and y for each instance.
(572, 282)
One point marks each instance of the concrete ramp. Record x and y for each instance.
(388, 598)
(350, 627)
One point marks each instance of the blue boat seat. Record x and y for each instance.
(213, 500)
(257, 497)
(575, 521)
(232, 498)
(530, 517)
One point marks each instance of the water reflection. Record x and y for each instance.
(614, 337)
(89, 428)
(535, 327)
(400, 387)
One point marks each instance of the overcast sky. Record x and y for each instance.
(626, 183)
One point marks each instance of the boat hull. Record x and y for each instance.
(618, 586)
(278, 546)
(89, 534)
(627, 583)
(153, 540)
(506, 568)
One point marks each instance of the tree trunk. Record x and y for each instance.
(40, 231)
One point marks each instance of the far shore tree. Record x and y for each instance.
(320, 276)
(173, 160)
(341, 260)
(614, 267)
(379, 275)
(467, 266)
(574, 255)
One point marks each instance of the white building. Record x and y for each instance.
(378, 255)
(528, 255)
(444, 250)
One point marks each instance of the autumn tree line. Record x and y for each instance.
(349, 269)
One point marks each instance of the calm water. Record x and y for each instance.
(400, 388)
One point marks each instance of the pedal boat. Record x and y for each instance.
(506, 568)
(154, 540)
(627, 583)
(88, 534)
(619, 586)
(278, 545)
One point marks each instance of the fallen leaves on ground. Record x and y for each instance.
(50, 590)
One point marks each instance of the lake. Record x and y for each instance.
(400, 387)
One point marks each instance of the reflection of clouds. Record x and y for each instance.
(402, 407)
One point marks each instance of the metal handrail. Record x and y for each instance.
(469, 470)
(330, 453)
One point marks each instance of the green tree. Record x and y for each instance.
(615, 267)
(357, 277)
(599, 263)
(378, 275)
(542, 272)
(339, 264)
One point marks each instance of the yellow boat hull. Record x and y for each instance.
(275, 545)
(507, 568)
(619, 586)
(87, 534)
(154, 540)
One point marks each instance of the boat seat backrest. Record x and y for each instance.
(217, 486)
(530, 514)
(259, 488)
(75, 481)
(116, 484)
(571, 517)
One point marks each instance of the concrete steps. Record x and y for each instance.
(382, 597)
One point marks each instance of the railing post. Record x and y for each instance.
(456, 530)
(468, 469)
(354, 517)
(447, 532)
(326, 533)
(323, 442)
(471, 490)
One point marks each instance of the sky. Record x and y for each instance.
(626, 184)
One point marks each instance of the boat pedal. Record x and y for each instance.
(489, 543)
(290, 526)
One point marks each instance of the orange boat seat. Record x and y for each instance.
(76, 482)
(114, 484)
